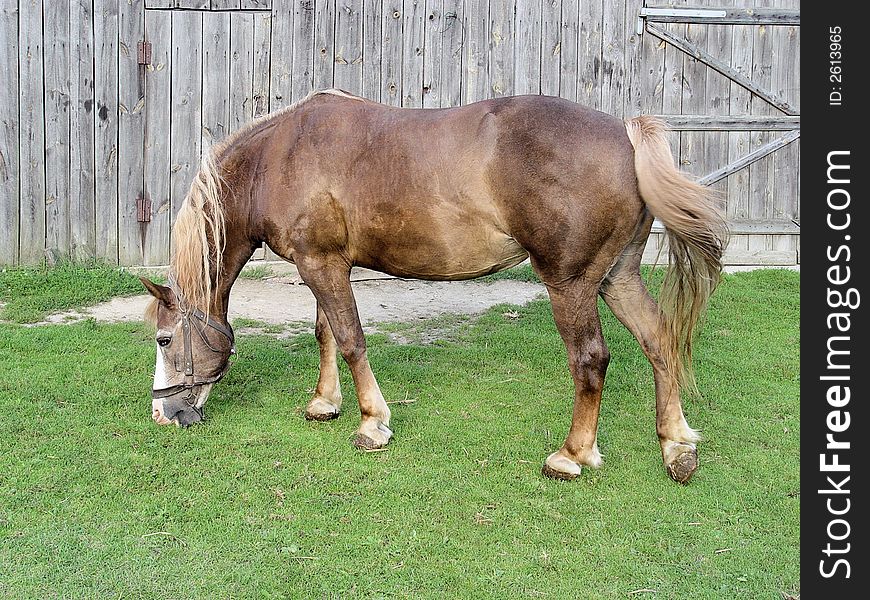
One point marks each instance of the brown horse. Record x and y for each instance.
(445, 194)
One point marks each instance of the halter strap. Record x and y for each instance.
(187, 315)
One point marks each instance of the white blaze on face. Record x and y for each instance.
(161, 377)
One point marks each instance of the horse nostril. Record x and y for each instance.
(155, 414)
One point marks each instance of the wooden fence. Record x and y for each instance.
(107, 104)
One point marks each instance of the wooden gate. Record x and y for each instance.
(764, 231)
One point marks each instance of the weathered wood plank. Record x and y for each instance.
(726, 122)
(644, 67)
(324, 44)
(241, 93)
(527, 48)
(736, 254)
(501, 54)
(257, 4)
(131, 132)
(262, 56)
(186, 136)
(414, 16)
(672, 92)
(226, 4)
(786, 162)
(81, 183)
(613, 58)
(106, 133)
(190, 3)
(302, 70)
(693, 146)
(452, 40)
(158, 107)
(281, 54)
(475, 76)
(158, 3)
(739, 101)
(569, 55)
(551, 46)
(349, 45)
(589, 52)
(216, 97)
(761, 176)
(370, 86)
(751, 228)
(391, 53)
(717, 88)
(9, 221)
(57, 115)
(722, 16)
(432, 38)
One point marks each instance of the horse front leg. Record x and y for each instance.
(329, 280)
(326, 403)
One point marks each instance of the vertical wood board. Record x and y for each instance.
(158, 108)
(9, 125)
(414, 15)
(106, 58)
(56, 36)
(131, 132)
(82, 120)
(349, 46)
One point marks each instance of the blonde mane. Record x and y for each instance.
(199, 232)
(200, 220)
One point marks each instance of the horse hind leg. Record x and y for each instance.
(576, 314)
(624, 292)
(326, 403)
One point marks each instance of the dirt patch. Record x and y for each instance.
(284, 300)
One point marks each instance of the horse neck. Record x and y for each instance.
(238, 249)
(239, 246)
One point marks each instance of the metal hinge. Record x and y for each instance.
(144, 50)
(143, 210)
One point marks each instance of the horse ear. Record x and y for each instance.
(161, 292)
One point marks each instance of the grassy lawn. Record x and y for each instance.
(98, 502)
(28, 295)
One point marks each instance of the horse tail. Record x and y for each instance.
(697, 235)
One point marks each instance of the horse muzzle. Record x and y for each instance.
(181, 408)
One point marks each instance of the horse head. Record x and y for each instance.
(193, 352)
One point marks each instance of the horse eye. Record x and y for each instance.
(164, 340)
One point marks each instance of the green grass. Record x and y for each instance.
(256, 272)
(29, 294)
(98, 502)
(520, 273)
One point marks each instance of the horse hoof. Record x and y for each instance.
(558, 467)
(372, 437)
(364, 442)
(320, 409)
(684, 465)
(325, 416)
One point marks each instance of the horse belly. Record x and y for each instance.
(448, 252)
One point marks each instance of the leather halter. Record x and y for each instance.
(191, 382)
